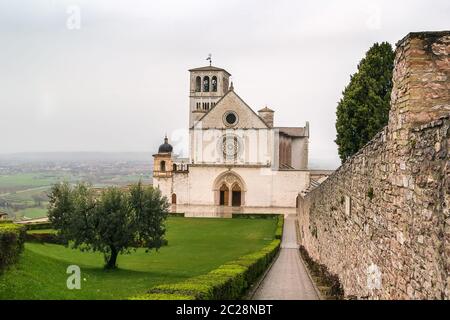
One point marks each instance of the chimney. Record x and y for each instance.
(266, 115)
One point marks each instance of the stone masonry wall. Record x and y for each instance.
(381, 222)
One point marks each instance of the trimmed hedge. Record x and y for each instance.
(176, 214)
(280, 224)
(228, 282)
(254, 216)
(12, 238)
(39, 226)
(44, 238)
(162, 296)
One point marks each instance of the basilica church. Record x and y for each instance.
(237, 157)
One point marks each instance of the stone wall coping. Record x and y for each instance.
(376, 138)
(422, 35)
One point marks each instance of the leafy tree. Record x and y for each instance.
(114, 222)
(364, 108)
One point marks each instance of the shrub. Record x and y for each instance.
(39, 226)
(254, 216)
(44, 238)
(12, 238)
(162, 296)
(280, 224)
(228, 282)
(176, 214)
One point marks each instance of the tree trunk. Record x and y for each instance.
(111, 264)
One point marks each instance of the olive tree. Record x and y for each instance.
(113, 222)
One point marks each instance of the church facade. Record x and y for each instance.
(237, 157)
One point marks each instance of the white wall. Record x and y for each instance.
(300, 153)
(257, 146)
(264, 187)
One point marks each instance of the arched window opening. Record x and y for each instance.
(174, 167)
(206, 84)
(198, 84)
(174, 198)
(162, 166)
(214, 84)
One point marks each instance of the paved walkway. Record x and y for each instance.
(288, 278)
(205, 211)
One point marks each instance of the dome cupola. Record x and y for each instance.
(165, 147)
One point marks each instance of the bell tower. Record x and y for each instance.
(207, 85)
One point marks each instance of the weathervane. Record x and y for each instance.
(209, 59)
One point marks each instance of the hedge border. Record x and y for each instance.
(255, 215)
(39, 226)
(280, 226)
(230, 281)
(12, 239)
(176, 214)
(44, 238)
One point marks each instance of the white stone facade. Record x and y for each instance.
(237, 157)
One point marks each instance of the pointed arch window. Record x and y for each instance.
(205, 84)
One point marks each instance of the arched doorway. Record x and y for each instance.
(229, 189)
(174, 198)
(236, 195)
(224, 195)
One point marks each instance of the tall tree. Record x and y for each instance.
(114, 222)
(364, 108)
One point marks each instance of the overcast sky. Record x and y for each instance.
(105, 75)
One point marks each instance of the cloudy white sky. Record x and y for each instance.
(119, 82)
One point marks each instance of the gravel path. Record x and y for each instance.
(288, 278)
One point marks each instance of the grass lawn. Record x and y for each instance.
(33, 213)
(196, 246)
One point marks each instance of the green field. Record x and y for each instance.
(18, 191)
(196, 246)
(33, 213)
(30, 180)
